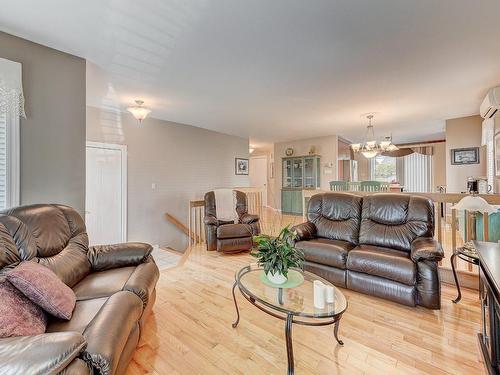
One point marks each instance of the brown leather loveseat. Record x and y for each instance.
(380, 244)
(114, 287)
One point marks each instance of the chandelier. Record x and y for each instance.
(371, 148)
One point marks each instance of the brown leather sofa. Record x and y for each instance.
(114, 286)
(229, 237)
(380, 244)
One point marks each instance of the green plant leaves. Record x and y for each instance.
(278, 254)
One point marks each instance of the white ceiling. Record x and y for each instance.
(276, 70)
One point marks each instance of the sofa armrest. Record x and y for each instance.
(143, 280)
(426, 248)
(48, 353)
(249, 218)
(105, 257)
(210, 220)
(305, 231)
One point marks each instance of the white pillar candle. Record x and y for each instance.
(329, 294)
(319, 294)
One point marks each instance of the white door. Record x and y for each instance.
(258, 175)
(106, 193)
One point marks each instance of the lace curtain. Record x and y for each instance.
(11, 88)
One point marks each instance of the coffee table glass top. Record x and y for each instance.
(297, 301)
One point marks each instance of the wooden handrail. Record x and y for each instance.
(179, 225)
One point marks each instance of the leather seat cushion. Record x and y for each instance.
(383, 262)
(234, 231)
(103, 284)
(83, 314)
(324, 251)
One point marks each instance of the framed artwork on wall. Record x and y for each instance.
(240, 166)
(497, 154)
(462, 156)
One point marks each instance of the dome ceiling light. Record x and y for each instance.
(139, 111)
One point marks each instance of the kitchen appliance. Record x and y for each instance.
(478, 185)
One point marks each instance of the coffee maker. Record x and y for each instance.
(478, 185)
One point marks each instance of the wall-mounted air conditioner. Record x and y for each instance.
(490, 107)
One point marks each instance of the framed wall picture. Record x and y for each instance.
(462, 156)
(497, 154)
(240, 166)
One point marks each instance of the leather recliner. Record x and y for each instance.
(380, 244)
(114, 287)
(229, 237)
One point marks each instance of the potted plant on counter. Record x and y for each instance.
(277, 255)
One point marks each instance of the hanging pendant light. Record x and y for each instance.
(370, 148)
(139, 111)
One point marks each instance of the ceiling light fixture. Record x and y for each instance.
(139, 111)
(370, 148)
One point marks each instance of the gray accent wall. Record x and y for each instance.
(53, 134)
(183, 161)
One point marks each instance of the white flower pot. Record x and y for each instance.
(277, 278)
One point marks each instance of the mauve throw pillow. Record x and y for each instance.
(18, 315)
(43, 287)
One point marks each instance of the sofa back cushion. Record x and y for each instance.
(336, 216)
(395, 220)
(50, 234)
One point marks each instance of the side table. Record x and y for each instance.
(467, 256)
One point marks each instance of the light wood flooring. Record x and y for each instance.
(189, 331)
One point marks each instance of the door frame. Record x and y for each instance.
(123, 149)
(266, 188)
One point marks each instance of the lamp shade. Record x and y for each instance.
(474, 203)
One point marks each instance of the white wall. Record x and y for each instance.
(326, 147)
(53, 132)
(183, 161)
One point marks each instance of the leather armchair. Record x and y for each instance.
(114, 287)
(380, 244)
(229, 237)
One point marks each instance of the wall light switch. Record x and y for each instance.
(153, 185)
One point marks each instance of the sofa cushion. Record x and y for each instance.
(40, 285)
(18, 315)
(234, 231)
(324, 251)
(395, 220)
(337, 216)
(83, 314)
(47, 353)
(383, 262)
(103, 283)
(140, 280)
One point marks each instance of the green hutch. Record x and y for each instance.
(299, 172)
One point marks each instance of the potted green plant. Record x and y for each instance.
(277, 255)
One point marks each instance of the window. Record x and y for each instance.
(413, 172)
(417, 173)
(384, 169)
(11, 110)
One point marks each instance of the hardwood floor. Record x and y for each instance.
(189, 331)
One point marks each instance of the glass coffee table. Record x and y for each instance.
(293, 305)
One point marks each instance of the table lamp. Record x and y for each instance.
(474, 204)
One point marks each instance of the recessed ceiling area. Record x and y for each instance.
(283, 69)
